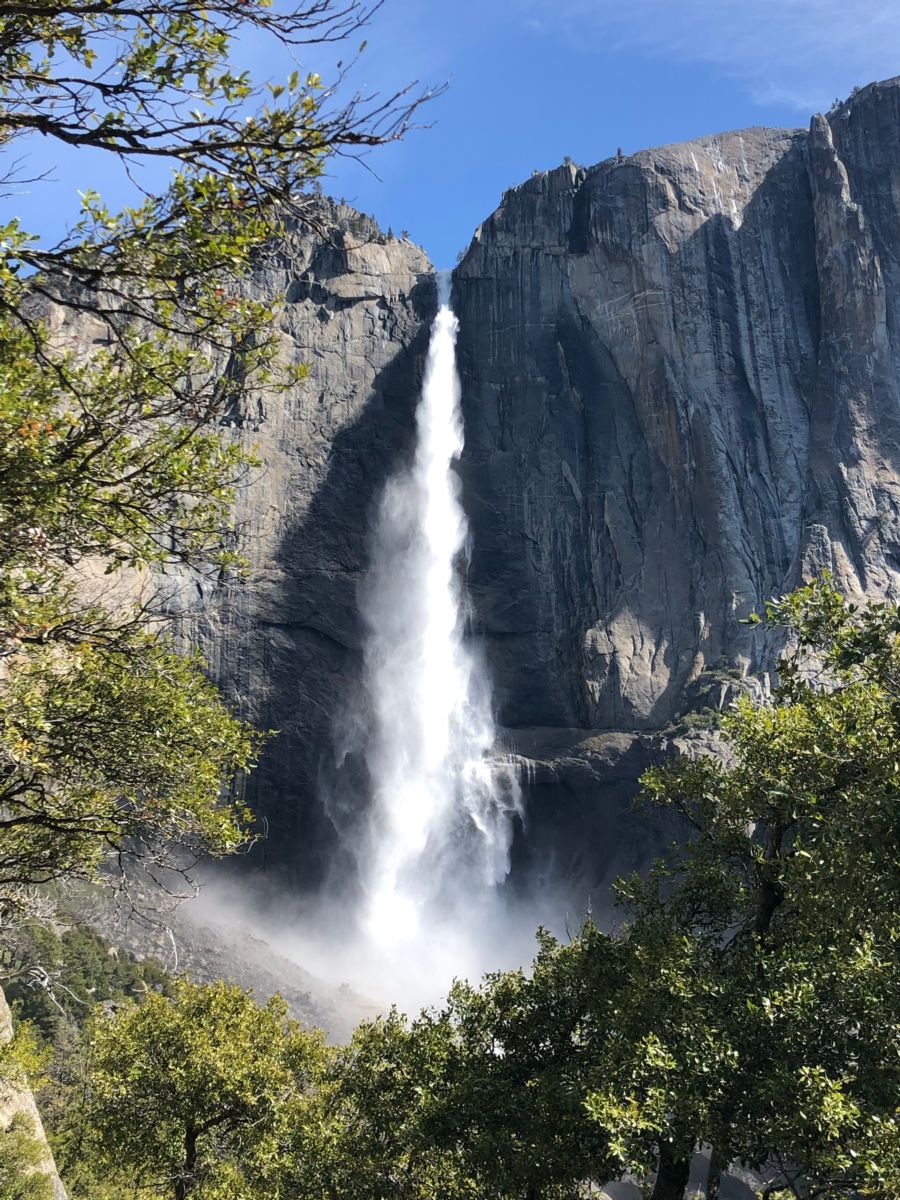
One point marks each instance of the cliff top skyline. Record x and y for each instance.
(528, 86)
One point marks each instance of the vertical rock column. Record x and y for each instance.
(15, 1101)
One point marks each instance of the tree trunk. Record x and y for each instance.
(771, 891)
(714, 1175)
(672, 1176)
(185, 1184)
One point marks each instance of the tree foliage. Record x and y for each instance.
(21, 1158)
(109, 745)
(59, 977)
(763, 1015)
(123, 348)
(522, 1049)
(23, 1153)
(188, 1094)
(376, 1108)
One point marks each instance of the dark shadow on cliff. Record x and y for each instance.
(312, 656)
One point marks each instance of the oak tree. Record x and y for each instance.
(764, 1011)
(189, 1095)
(123, 348)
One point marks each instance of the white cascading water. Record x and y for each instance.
(433, 846)
(443, 801)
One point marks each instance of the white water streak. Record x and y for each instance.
(443, 802)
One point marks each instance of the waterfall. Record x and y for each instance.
(423, 800)
(443, 800)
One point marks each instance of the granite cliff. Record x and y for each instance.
(285, 643)
(680, 379)
(680, 389)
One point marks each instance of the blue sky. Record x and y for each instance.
(533, 80)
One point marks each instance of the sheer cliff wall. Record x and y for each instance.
(285, 642)
(680, 386)
(680, 389)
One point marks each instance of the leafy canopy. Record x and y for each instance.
(748, 1001)
(763, 1012)
(124, 351)
(22, 1156)
(188, 1093)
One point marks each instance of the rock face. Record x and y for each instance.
(17, 1105)
(285, 643)
(681, 397)
(680, 390)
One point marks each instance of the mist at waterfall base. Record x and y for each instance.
(425, 800)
